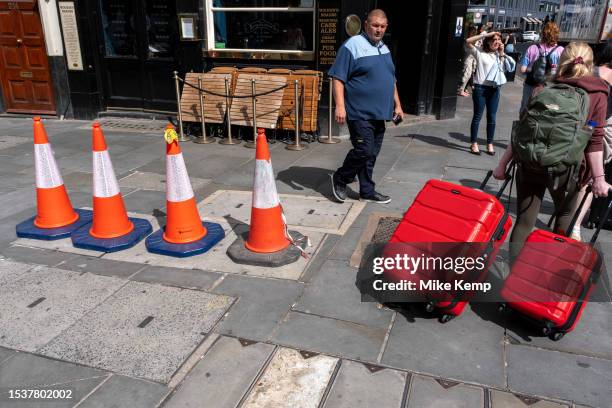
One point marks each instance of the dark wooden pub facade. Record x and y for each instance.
(129, 48)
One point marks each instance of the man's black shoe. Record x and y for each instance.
(377, 198)
(338, 190)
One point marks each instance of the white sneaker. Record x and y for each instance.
(576, 233)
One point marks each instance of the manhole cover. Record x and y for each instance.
(386, 227)
(131, 125)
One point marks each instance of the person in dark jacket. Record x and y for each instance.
(575, 68)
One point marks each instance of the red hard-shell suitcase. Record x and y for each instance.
(447, 212)
(552, 278)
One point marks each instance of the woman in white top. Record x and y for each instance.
(492, 62)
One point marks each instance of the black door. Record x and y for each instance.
(139, 53)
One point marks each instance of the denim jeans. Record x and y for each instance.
(484, 96)
(366, 137)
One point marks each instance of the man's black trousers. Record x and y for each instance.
(366, 137)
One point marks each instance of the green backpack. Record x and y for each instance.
(551, 135)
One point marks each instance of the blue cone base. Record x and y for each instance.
(214, 233)
(27, 229)
(82, 239)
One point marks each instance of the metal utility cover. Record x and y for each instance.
(291, 380)
(47, 301)
(143, 330)
(303, 212)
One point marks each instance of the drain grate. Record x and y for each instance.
(384, 230)
(131, 125)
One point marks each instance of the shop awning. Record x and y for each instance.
(527, 19)
(537, 20)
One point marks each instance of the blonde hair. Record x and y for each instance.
(570, 65)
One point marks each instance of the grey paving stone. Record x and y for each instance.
(145, 201)
(223, 376)
(500, 399)
(47, 301)
(11, 271)
(5, 354)
(100, 266)
(557, 375)
(261, 305)
(332, 293)
(348, 243)
(184, 278)
(427, 392)
(27, 371)
(356, 386)
(313, 268)
(293, 380)
(35, 255)
(590, 337)
(330, 336)
(154, 181)
(120, 391)
(143, 330)
(467, 348)
(16, 201)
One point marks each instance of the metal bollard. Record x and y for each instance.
(182, 136)
(330, 117)
(296, 144)
(203, 139)
(252, 143)
(228, 140)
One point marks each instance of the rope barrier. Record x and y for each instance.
(231, 96)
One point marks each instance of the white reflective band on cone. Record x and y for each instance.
(47, 172)
(104, 180)
(264, 190)
(178, 186)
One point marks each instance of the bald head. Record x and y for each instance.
(376, 13)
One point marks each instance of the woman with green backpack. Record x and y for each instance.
(557, 144)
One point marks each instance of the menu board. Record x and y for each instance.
(71, 36)
(328, 34)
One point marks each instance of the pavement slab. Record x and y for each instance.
(332, 293)
(428, 392)
(27, 371)
(47, 301)
(35, 255)
(261, 305)
(331, 336)
(143, 330)
(359, 386)
(309, 213)
(501, 399)
(182, 278)
(156, 182)
(100, 266)
(5, 354)
(292, 380)
(12, 271)
(223, 376)
(11, 141)
(553, 374)
(467, 348)
(124, 391)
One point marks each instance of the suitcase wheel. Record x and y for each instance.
(429, 307)
(446, 318)
(503, 308)
(547, 330)
(556, 336)
(590, 225)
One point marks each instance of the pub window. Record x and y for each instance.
(119, 25)
(279, 26)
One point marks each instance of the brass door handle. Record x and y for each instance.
(19, 41)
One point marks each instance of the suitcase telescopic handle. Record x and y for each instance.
(602, 221)
(503, 187)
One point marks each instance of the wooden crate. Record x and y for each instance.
(267, 105)
(214, 105)
(308, 89)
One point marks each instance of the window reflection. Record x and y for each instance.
(263, 30)
(118, 21)
(161, 31)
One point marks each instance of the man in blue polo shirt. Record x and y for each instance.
(366, 96)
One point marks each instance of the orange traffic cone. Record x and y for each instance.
(268, 229)
(185, 234)
(55, 217)
(111, 230)
(183, 223)
(54, 207)
(110, 219)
